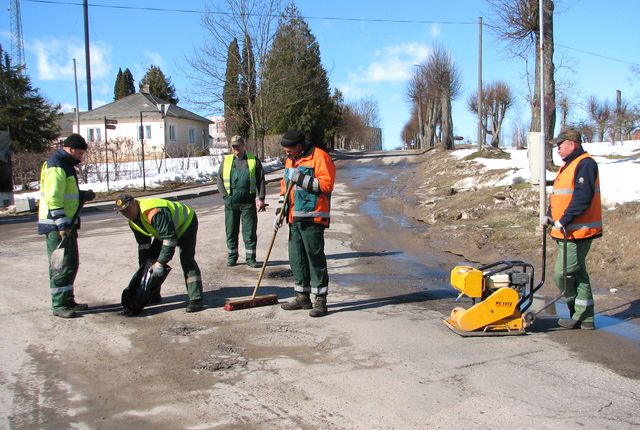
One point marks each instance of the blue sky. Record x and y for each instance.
(368, 52)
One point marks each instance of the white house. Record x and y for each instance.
(149, 121)
(219, 144)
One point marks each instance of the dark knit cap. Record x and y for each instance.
(75, 141)
(292, 138)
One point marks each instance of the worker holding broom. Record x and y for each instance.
(58, 220)
(575, 210)
(241, 184)
(311, 173)
(170, 225)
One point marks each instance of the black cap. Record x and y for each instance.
(123, 202)
(292, 138)
(75, 141)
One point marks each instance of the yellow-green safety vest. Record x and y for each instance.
(181, 216)
(226, 172)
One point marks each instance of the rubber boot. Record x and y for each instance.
(301, 301)
(319, 307)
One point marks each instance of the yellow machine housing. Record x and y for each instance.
(499, 294)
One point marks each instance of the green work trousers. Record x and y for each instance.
(248, 215)
(307, 259)
(190, 269)
(61, 282)
(579, 296)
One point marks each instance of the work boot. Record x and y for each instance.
(64, 313)
(587, 325)
(319, 307)
(79, 306)
(301, 301)
(253, 263)
(568, 323)
(194, 305)
(231, 262)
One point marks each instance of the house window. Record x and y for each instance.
(94, 135)
(192, 135)
(147, 132)
(172, 132)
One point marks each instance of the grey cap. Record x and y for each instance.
(237, 140)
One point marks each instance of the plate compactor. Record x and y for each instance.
(505, 291)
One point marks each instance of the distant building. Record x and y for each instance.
(219, 144)
(146, 120)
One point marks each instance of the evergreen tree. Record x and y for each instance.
(248, 88)
(129, 85)
(117, 88)
(30, 119)
(231, 92)
(124, 84)
(296, 86)
(159, 85)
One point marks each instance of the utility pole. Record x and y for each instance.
(542, 191)
(619, 114)
(87, 53)
(75, 80)
(479, 102)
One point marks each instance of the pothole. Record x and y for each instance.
(225, 357)
(287, 273)
(183, 330)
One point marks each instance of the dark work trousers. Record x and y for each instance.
(307, 259)
(248, 215)
(187, 246)
(61, 283)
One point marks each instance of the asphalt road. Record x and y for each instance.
(382, 359)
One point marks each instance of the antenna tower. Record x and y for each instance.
(17, 45)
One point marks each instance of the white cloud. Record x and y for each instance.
(54, 58)
(393, 63)
(435, 31)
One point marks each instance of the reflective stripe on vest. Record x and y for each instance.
(181, 216)
(226, 172)
(589, 223)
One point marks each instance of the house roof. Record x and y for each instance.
(131, 106)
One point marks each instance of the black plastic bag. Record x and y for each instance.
(141, 288)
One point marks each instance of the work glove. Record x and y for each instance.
(158, 269)
(88, 195)
(294, 174)
(276, 224)
(546, 221)
(558, 225)
(64, 233)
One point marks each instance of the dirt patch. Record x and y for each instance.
(485, 224)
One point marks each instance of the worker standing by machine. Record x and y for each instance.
(575, 211)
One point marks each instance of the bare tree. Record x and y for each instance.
(517, 24)
(432, 87)
(496, 100)
(251, 21)
(599, 113)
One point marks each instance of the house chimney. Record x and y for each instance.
(144, 89)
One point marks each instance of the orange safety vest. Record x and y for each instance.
(303, 204)
(587, 224)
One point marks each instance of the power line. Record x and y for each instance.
(322, 18)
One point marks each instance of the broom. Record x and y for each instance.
(267, 299)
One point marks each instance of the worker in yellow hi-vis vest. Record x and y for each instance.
(241, 184)
(160, 226)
